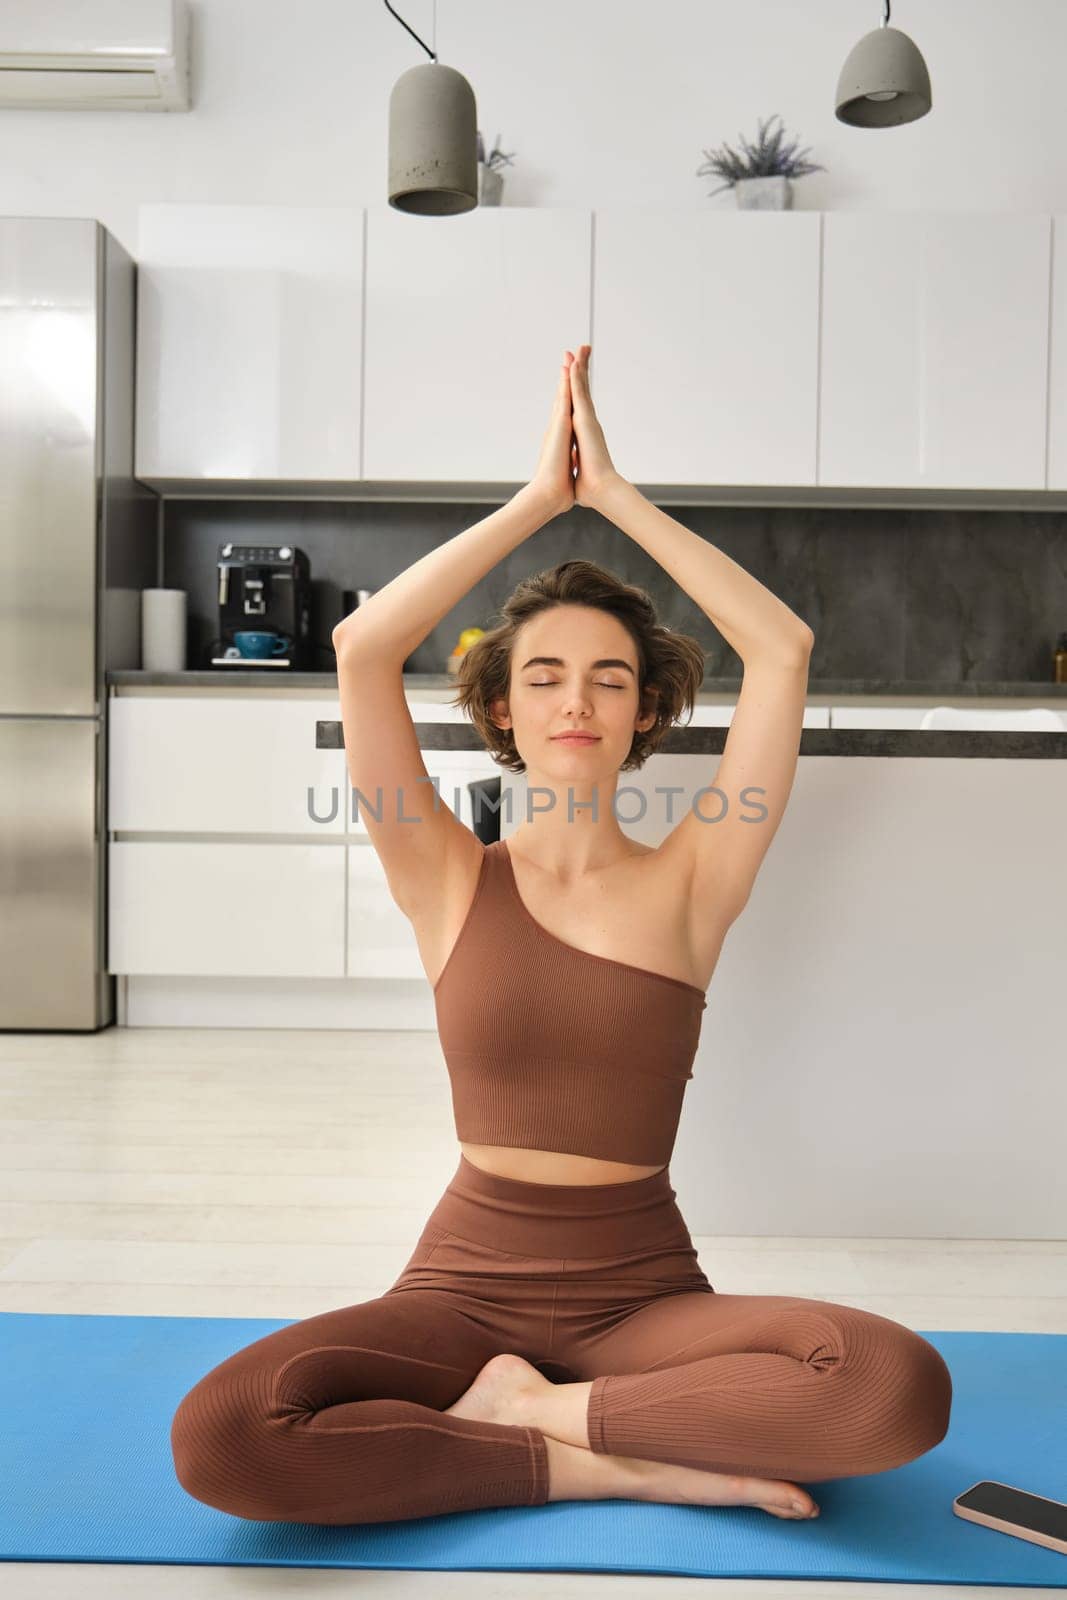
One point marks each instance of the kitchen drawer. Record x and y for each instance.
(381, 940)
(226, 910)
(236, 765)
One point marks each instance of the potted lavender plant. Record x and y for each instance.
(490, 178)
(762, 181)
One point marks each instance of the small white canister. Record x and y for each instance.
(163, 630)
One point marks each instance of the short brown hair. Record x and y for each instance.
(670, 666)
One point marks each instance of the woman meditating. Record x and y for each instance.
(552, 1336)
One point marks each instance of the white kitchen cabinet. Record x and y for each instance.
(233, 909)
(935, 339)
(467, 320)
(255, 905)
(238, 764)
(249, 342)
(1057, 385)
(705, 347)
(839, 349)
(381, 940)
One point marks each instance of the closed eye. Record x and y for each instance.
(546, 683)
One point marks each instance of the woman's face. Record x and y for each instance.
(573, 667)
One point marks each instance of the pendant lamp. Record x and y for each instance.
(884, 80)
(433, 137)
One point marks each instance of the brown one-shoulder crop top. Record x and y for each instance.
(553, 1048)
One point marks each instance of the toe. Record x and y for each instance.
(781, 1499)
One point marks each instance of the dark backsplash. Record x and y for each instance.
(955, 595)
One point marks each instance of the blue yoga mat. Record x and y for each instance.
(87, 1475)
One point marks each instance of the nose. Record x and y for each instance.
(576, 699)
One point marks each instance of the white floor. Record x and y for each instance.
(196, 1172)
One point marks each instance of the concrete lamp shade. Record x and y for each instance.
(883, 82)
(433, 142)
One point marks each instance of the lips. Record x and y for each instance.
(576, 738)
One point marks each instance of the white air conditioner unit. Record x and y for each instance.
(94, 55)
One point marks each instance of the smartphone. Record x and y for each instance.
(1008, 1510)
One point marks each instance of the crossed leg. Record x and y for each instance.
(770, 1386)
(339, 1419)
(342, 1418)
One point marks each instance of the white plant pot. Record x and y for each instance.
(490, 185)
(774, 193)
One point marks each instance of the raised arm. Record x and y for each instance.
(758, 764)
(381, 747)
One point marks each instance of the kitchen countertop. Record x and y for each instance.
(895, 688)
(1040, 745)
(683, 740)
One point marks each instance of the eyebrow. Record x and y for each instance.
(557, 661)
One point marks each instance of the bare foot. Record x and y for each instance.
(504, 1391)
(662, 1481)
(507, 1390)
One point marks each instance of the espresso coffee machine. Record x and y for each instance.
(264, 589)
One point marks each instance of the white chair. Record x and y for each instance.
(977, 717)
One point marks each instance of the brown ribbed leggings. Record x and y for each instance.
(339, 1418)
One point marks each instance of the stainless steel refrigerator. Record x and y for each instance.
(77, 543)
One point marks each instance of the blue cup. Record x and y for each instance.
(258, 644)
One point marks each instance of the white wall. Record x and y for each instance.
(605, 102)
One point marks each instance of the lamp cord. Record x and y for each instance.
(431, 53)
